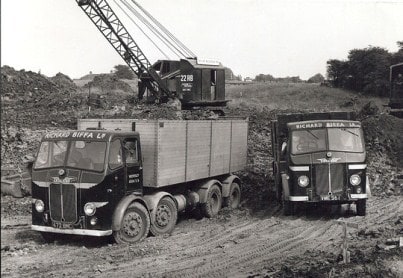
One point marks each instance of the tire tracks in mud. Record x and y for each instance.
(244, 255)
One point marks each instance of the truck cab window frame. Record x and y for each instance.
(115, 158)
(131, 151)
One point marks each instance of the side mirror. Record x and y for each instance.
(283, 148)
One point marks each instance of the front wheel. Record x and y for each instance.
(288, 206)
(361, 207)
(214, 201)
(135, 225)
(165, 217)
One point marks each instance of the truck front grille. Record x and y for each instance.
(325, 182)
(63, 203)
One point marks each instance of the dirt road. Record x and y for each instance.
(235, 244)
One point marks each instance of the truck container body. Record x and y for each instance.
(125, 177)
(319, 158)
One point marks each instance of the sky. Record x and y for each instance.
(277, 37)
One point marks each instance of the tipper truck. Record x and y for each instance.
(319, 158)
(125, 177)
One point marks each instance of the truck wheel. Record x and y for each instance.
(288, 206)
(213, 204)
(165, 217)
(234, 198)
(361, 207)
(135, 225)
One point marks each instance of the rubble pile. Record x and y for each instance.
(19, 145)
(64, 82)
(33, 100)
(384, 145)
(109, 82)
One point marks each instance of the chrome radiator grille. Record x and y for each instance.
(329, 178)
(63, 203)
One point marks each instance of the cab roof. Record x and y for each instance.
(323, 124)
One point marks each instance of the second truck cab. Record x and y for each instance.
(320, 157)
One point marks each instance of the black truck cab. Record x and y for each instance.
(319, 159)
(77, 180)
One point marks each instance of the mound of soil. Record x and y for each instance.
(109, 82)
(384, 145)
(33, 100)
(64, 82)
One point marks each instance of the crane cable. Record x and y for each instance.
(166, 31)
(156, 32)
(144, 33)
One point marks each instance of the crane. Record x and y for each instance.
(196, 83)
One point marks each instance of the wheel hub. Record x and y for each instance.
(163, 215)
(132, 224)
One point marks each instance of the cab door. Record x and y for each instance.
(134, 169)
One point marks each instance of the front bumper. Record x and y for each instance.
(83, 232)
(352, 197)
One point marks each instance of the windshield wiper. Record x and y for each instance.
(310, 132)
(349, 131)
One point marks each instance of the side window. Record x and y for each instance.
(115, 154)
(131, 152)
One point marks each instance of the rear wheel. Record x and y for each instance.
(361, 207)
(135, 225)
(165, 217)
(213, 203)
(234, 198)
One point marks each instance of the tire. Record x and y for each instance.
(135, 225)
(361, 207)
(234, 199)
(214, 201)
(288, 206)
(165, 217)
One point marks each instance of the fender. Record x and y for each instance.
(286, 187)
(202, 191)
(121, 208)
(153, 200)
(226, 184)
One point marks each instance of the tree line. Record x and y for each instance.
(365, 70)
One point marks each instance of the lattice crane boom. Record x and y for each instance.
(107, 22)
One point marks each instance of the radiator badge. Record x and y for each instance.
(64, 180)
(331, 160)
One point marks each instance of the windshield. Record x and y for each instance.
(331, 139)
(305, 141)
(51, 154)
(345, 140)
(85, 155)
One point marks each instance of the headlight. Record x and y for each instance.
(355, 180)
(39, 206)
(89, 209)
(303, 181)
(93, 221)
